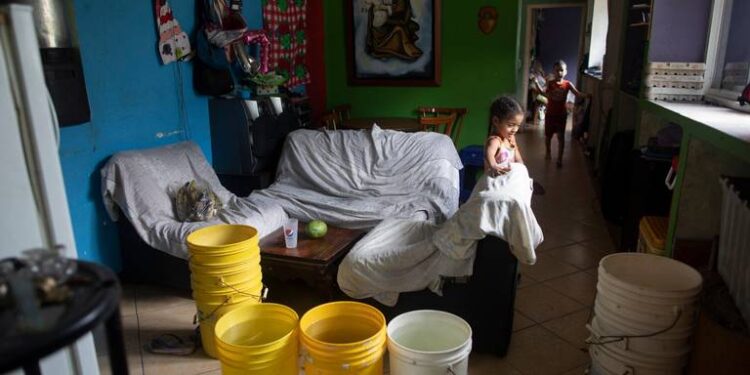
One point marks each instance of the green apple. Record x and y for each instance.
(317, 228)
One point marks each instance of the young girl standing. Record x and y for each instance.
(500, 150)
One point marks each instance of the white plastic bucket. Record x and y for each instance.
(646, 345)
(677, 299)
(650, 275)
(649, 296)
(429, 342)
(605, 362)
(646, 314)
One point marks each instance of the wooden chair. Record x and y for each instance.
(330, 120)
(343, 111)
(435, 122)
(454, 131)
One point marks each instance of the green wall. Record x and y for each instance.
(476, 68)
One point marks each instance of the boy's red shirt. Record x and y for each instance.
(557, 94)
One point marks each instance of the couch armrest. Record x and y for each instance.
(486, 301)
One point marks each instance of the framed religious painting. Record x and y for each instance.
(393, 42)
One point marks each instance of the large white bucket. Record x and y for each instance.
(646, 315)
(429, 342)
(607, 362)
(651, 275)
(668, 346)
(645, 312)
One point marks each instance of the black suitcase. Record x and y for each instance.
(615, 177)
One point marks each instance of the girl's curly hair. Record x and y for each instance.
(504, 107)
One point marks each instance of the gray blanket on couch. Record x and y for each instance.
(356, 179)
(139, 183)
(347, 178)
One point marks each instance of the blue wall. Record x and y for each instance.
(136, 102)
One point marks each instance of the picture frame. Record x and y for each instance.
(393, 42)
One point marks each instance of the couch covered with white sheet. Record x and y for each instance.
(355, 179)
(352, 179)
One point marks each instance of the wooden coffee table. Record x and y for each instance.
(314, 260)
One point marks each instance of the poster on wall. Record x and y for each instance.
(393, 42)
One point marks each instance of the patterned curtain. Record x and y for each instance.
(285, 24)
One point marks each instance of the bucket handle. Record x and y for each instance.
(595, 339)
(671, 178)
(450, 370)
(198, 318)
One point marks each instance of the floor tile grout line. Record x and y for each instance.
(523, 315)
(567, 314)
(138, 325)
(585, 350)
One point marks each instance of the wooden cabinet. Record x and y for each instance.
(638, 19)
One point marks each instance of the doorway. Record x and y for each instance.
(553, 32)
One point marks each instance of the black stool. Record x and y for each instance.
(95, 299)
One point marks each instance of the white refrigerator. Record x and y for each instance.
(35, 209)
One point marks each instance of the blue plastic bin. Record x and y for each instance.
(472, 158)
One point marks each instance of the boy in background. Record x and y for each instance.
(557, 113)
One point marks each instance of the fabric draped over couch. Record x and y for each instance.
(139, 183)
(355, 179)
(409, 255)
(351, 179)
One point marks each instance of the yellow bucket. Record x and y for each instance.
(234, 274)
(343, 338)
(235, 296)
(221, 285)
(249, 274)
(258, 339)
(219, 261)
(652, 235)
(222, 239)
(209, 314)
(216, 251)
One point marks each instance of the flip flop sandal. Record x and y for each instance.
(172, 344)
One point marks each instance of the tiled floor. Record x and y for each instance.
(552, 303)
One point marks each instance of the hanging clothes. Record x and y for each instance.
(285, 23)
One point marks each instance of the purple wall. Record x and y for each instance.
(679, 30)
(559, 37)
(738, 46)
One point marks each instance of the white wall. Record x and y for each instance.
(599, 26)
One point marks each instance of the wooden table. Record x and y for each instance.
(314, 260)
(405, 124)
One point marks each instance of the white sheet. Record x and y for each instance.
(139, 183)
(355, 179)
(408, 255)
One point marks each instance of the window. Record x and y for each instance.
(598, 45)
(728, 52)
